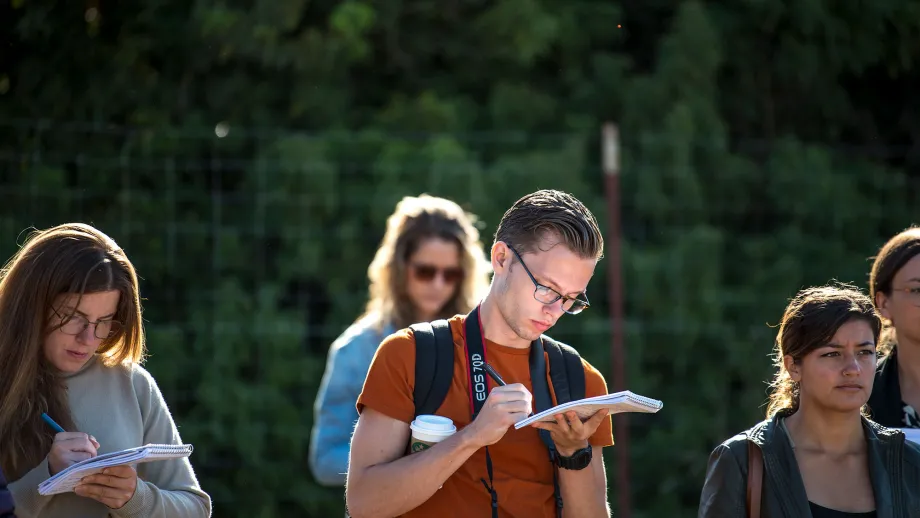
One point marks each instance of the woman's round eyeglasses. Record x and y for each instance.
(75, 324)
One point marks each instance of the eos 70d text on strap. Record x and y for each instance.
(475, 350)
(474, 347)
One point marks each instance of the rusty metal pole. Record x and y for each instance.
(610, 149)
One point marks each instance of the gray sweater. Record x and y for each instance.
(122, 407)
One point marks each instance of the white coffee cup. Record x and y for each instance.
(428, 430)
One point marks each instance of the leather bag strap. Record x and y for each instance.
(754, 480)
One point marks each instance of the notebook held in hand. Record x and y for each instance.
(68, 478)
(619, 402)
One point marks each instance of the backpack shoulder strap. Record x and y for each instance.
(542, 400)
(566, 371)
(425, 361)
(434, 364)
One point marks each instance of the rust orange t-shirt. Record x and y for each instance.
(523, 475)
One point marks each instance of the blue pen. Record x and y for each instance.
(57, 427)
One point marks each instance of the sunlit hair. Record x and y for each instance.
(554, 216)
(68, 259)
(810, 321)
(415, 220)
(888, 262)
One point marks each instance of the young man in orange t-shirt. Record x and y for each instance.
(545, 251)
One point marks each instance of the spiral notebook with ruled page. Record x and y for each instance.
(67, 479)
(619, 402)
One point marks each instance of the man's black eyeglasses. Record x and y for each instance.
(547, 295)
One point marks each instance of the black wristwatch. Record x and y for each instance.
(579, 460)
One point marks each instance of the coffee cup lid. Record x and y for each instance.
(433, 424)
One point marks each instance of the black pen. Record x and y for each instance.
(494, 375)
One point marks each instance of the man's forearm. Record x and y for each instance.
(397, 487)
(584, 492)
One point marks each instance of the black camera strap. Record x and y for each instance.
(475, 367)
(474, 346)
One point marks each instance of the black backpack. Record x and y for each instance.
(434, 372)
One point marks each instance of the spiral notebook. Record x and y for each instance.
(619, 402)
(67, 479)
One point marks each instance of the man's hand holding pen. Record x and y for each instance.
(505, 406)
(569, 432)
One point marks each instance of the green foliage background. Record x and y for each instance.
(767, 146)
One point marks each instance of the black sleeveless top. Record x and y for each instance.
(823, 512)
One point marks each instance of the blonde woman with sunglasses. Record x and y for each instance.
(430, 265)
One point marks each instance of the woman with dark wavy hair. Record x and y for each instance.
(894, 285)
(821, 456)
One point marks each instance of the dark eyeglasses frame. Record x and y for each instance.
(575, 305)
(116, 325)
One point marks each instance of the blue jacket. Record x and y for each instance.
(6, 500)
(334, 413)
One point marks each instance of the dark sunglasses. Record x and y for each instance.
(427, 273)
